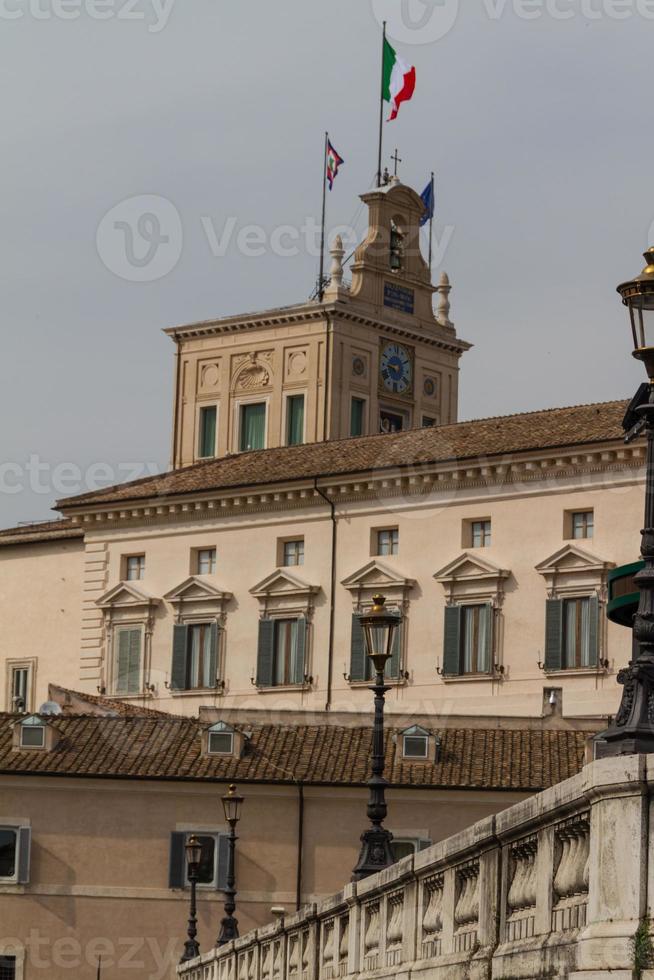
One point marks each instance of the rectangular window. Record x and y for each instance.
(579, 648)
(32, 736)
(207, 440)
(295, 420)
(7, 968)
(8, 854)
(252, 430)
(128, 660)
(208, 862)
(287, 669)
(388, 541)
(480, 534)
(582, 524)
(403, 848)
(293, 552)
(390, 421)
(201, 659)
(221, 743)
(134, 568)
(20, 689)
(415, 746)
(357, 415)
(206, 561)
(476, 626)
(428, 422)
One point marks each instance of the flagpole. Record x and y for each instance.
(322, 226)
(431, 222)
(99, 966)
(381, 110)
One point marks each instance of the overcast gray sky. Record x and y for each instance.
(532, 113)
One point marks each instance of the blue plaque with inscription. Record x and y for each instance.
(399, 298)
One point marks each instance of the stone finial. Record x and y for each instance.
(443, 309)
(337, 252)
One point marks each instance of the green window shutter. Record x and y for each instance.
(300, 653)
(295, 420)
(593, 630)
(134, 678)
(208, 431)
(122, 662)
(452, 641)
(393, 665)
(180, 653)
(223, 862)
(24, 855)
(266, 653)
(213, 653)
(423, 844)
(176, 862)
(357, 650)
(554, 634)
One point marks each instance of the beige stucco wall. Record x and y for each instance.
(527, 528)
(100, 853)
(40, 614)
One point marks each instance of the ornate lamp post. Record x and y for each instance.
(193, 858)
(232, 803)
(632, 730)
(379, 628)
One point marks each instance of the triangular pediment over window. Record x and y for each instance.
(197, 589)
(573, 559)
(126, 594)
(280, 583)
(471, 577)
(375, 575)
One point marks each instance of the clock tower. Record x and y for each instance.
(371, 356)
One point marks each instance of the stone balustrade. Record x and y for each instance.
(555, 886)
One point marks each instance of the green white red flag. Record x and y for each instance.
(399, 80)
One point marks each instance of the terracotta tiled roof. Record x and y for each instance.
(549, 429)
(170, 748)
(46, 530)
(76, 703)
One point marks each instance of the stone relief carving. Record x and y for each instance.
(252, 371)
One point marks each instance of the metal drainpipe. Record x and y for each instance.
(332, 595)
(300, 844)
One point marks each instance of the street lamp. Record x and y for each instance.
(379, 628)
(232, 803)
(193, 849)
(632, 730)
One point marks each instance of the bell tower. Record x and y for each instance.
(370, 356)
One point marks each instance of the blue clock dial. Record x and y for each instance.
(395, 368)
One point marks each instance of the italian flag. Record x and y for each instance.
(399, 80)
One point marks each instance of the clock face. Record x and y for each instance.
(395, 368)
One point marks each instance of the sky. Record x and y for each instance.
(162, 163)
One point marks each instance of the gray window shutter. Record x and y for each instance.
(357, 650)
(593, 630)
(452, 641)
(134, 678)
(554, 634)
(24, 854)
(300, 667)
(213, 655)
(393, 665)
(490, 631)
(424, 844)
(266, 653)
(223, 862)
(122, 673)
(180, 650)
(177, 863)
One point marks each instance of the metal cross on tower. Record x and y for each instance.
(396, 159)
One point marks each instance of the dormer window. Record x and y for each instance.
(220, 739)
(415, 743)
(32, 733)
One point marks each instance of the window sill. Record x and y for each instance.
(146, 695)
(389, 681)
(195, 691)
(470, 678)
(577, 672)
(283, 687)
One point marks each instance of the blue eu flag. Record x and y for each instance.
(427, 197)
